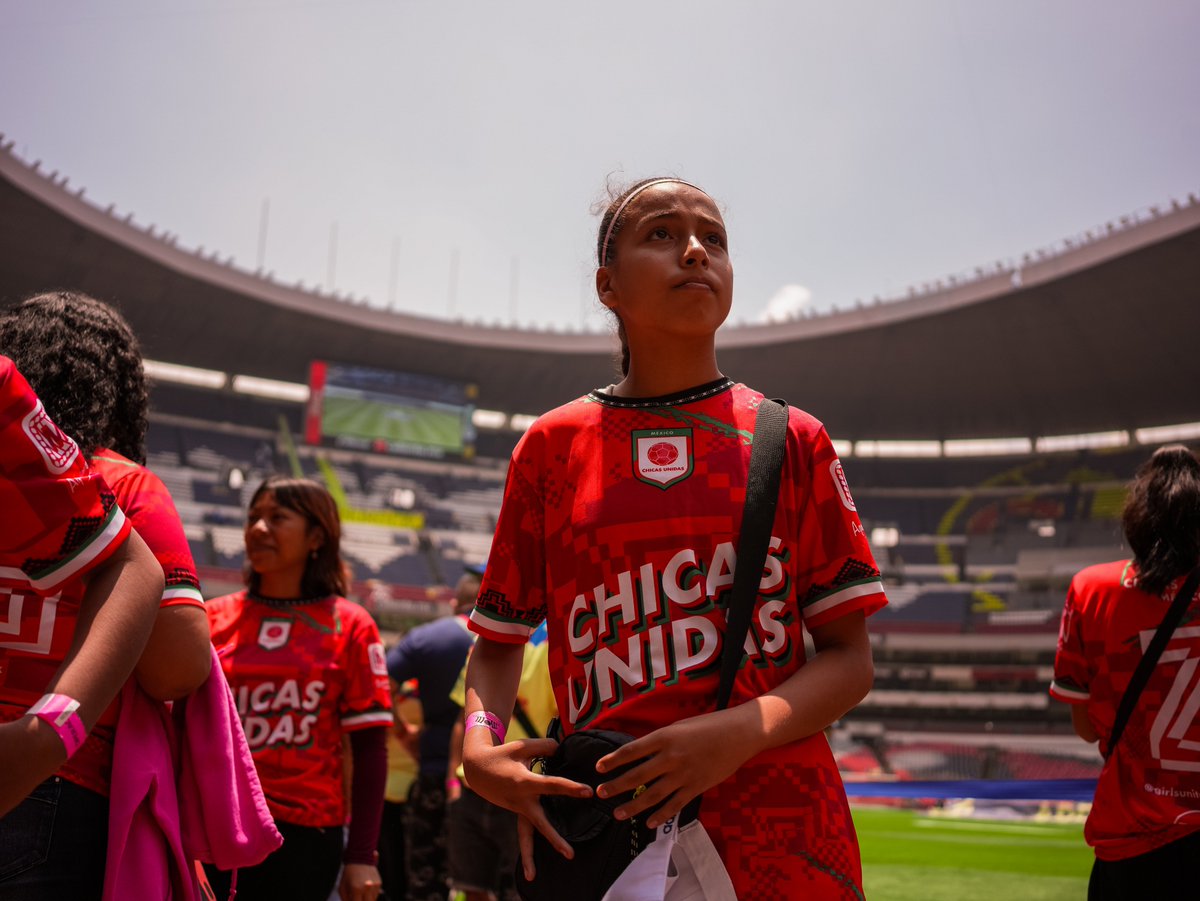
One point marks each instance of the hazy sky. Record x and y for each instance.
(857, 147)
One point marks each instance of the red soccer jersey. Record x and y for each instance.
(303, 675)
(150, 510)
(1107, 624)
(619, 527)
(147, 503)
(59, 520)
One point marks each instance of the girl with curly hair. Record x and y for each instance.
(84, 363)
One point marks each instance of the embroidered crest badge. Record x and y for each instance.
(274, 633)
(58, 450)
(662, 457)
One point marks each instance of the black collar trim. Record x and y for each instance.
(678, 399)
(284, 602)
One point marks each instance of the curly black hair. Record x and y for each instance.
(84, 362)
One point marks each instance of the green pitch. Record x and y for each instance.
(908, 856)
(359, 418)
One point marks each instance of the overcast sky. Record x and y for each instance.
(857, 147)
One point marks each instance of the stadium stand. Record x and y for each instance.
(975, 550)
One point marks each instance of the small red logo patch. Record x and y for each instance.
(662, 454)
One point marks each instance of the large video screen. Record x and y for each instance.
(389, 412)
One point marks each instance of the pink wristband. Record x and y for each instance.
(61, 712)
(490, 721)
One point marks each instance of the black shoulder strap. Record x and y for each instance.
(762, 495)
(1154, 650)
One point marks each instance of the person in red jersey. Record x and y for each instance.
(619, 526)
(83, 360)
(64, 653)
(307, 667)
(1145, 822)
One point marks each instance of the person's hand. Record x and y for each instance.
(360, 882)
(502, 775)
(30, 753)
(454, 789)
(679, 762)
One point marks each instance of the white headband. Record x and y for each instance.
(624, 203)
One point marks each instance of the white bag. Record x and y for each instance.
(679, 865)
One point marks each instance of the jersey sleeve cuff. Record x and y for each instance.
(182, 596)
(867, 596)
(498, 629)
(111, 534)
(1069, 693)
(366, 720)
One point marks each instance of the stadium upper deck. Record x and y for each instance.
(1089, 337)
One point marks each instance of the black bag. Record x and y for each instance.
(605, 846)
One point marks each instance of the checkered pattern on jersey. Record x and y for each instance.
(632, 577)
(302, 675)
(79, 531)
(852, 573)
(782, 825)
(577, 522)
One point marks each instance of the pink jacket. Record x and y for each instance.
(163, 816)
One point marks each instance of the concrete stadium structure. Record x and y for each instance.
(1092, 335)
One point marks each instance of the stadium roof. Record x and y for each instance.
(1096, 334)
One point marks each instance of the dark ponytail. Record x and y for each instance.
(1162, 517)
(622, 359)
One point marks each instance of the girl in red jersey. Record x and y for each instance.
(62, 535)
(1145, 822)
(619, 527)
(83, 360)
(306, 667)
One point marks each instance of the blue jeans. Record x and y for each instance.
(52, 845)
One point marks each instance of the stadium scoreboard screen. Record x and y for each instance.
(389, 412)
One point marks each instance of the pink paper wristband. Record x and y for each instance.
(489, 721)
(62, 713)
